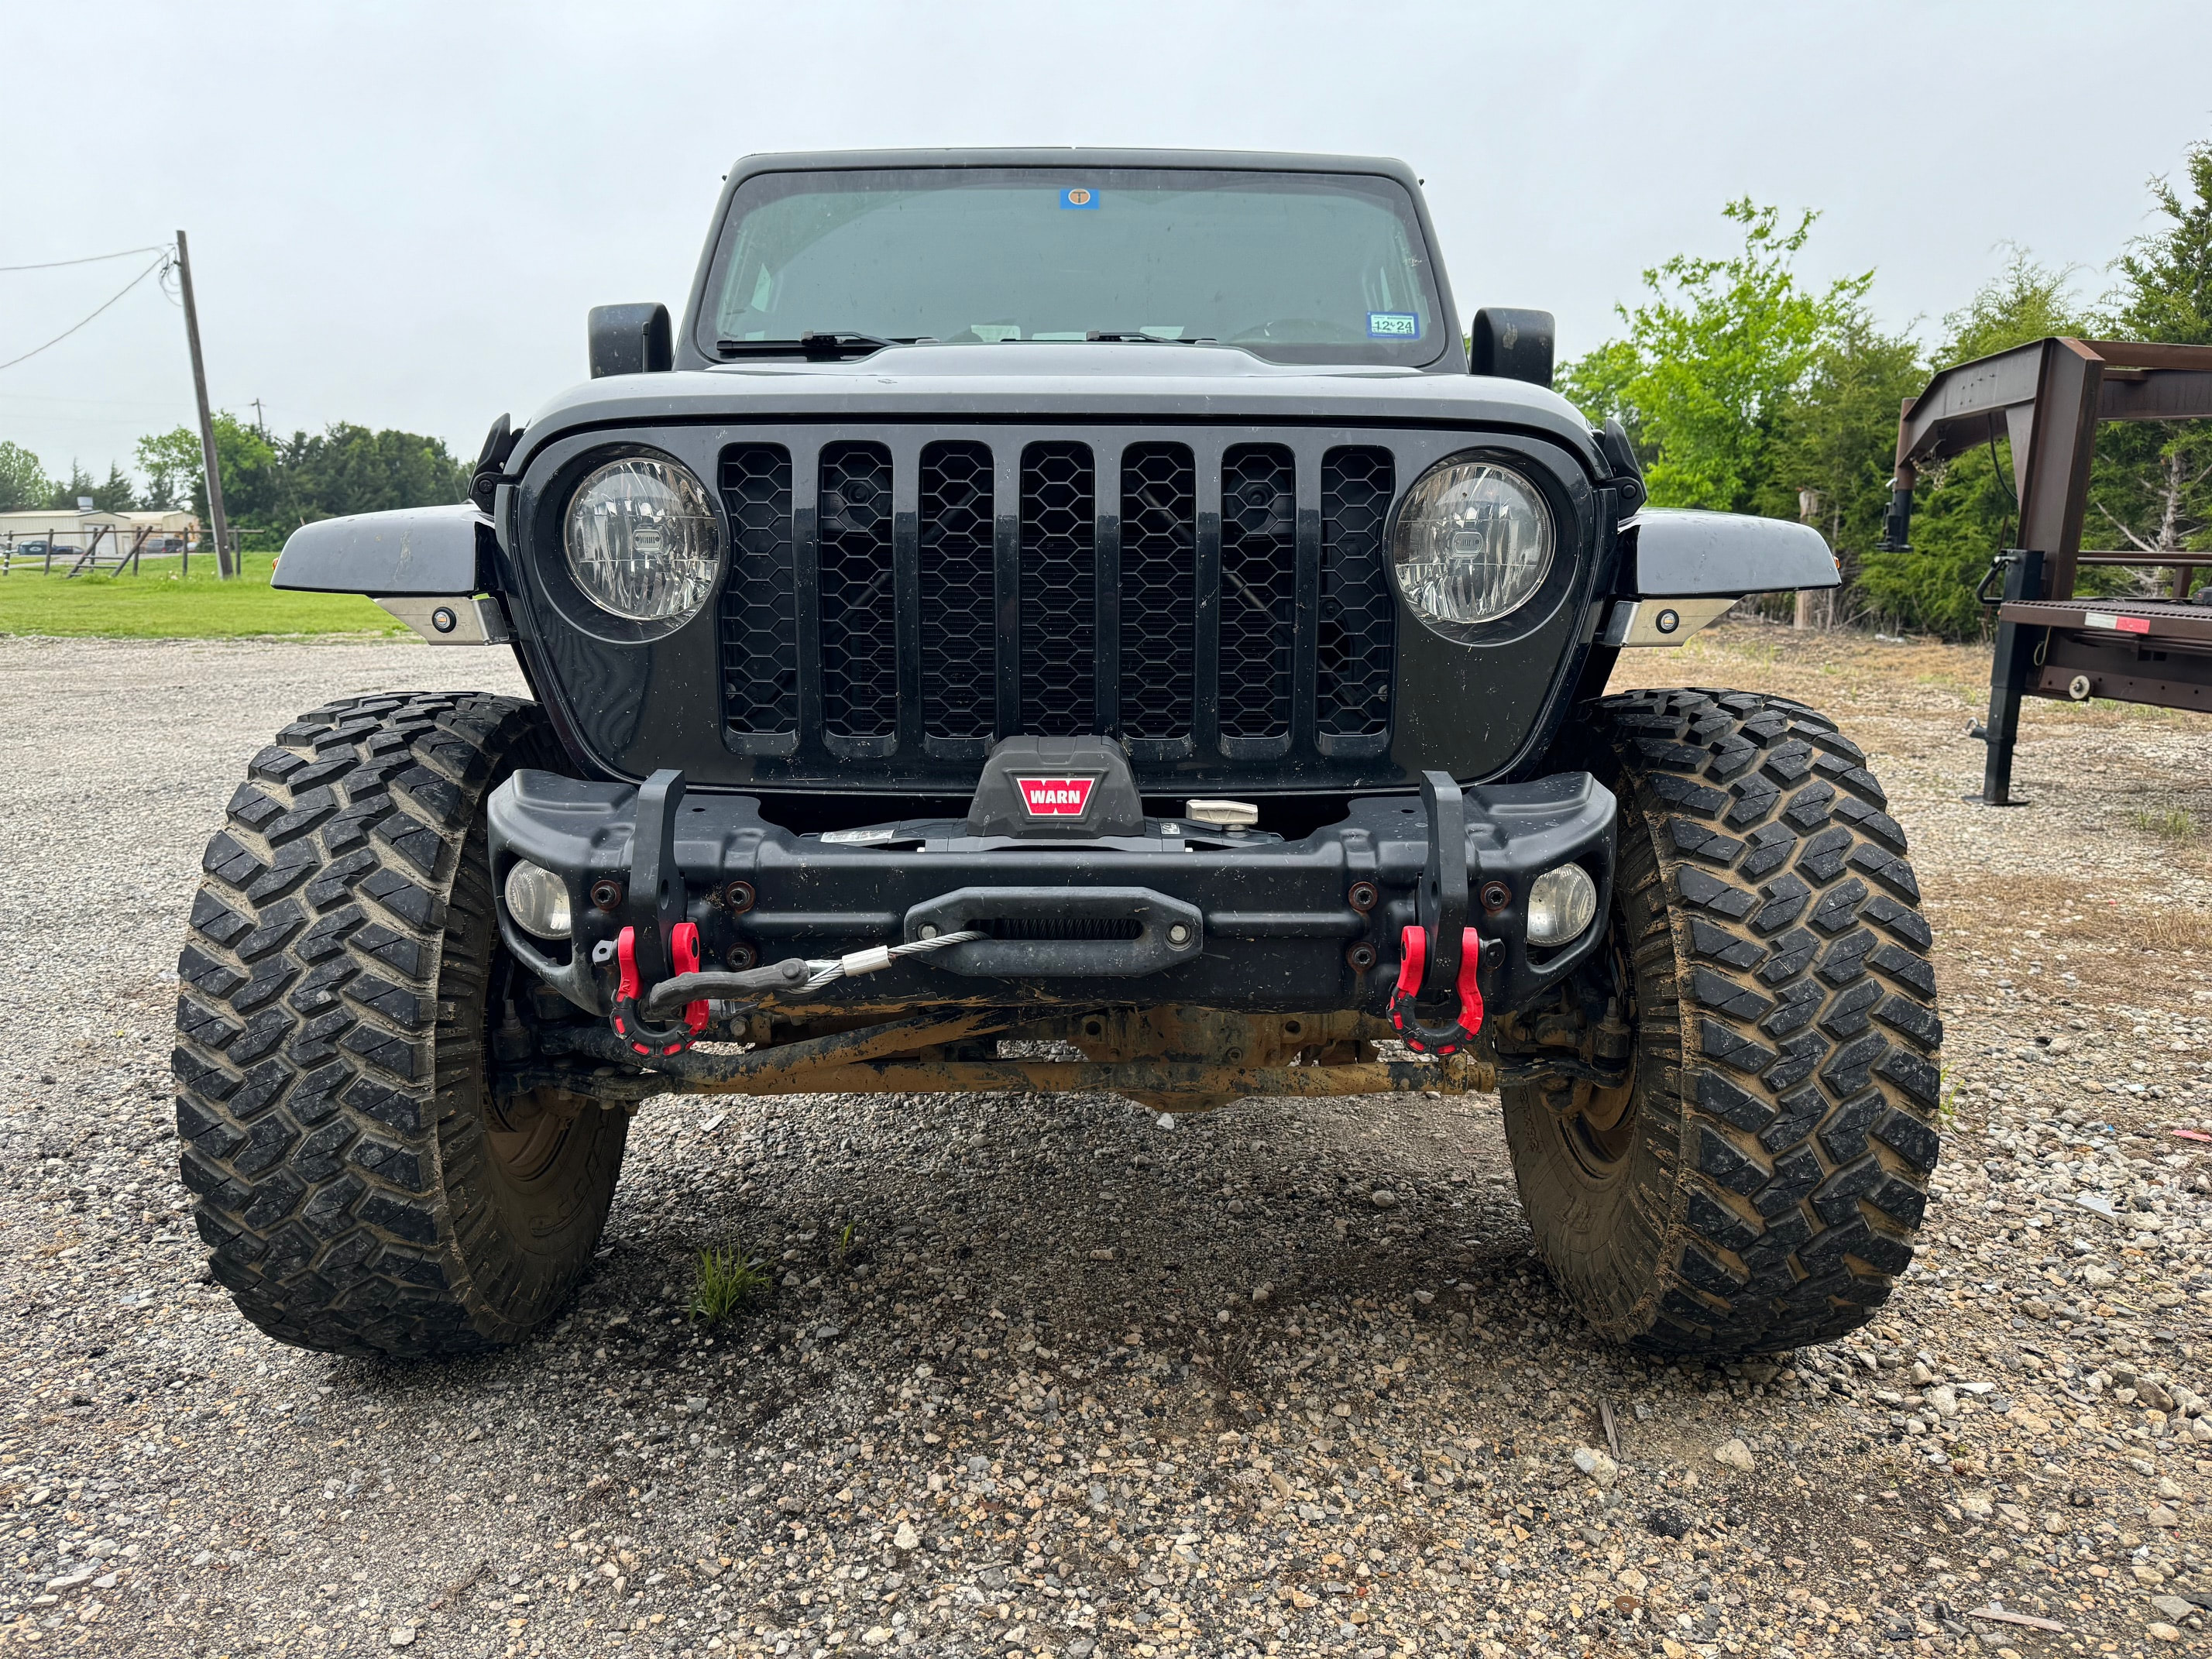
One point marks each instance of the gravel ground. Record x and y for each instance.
(1041, 1377)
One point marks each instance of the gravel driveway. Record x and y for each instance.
(1041, 1377)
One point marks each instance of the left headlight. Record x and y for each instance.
(1474, 543)
(640, 539)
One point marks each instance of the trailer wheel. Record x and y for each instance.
(1756, 1181)
(362, 1189)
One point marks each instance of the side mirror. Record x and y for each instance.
(631, 340)
(1515, 345)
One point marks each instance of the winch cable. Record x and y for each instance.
(829, 971)
(793, 974)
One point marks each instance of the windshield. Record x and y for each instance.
(1302, 267)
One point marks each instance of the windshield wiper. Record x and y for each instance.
(1140, 338)
(815, 347)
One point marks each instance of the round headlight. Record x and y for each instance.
(1473, 541)
(537, 900)
(640, 539)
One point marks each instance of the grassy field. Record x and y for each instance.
(160, 605)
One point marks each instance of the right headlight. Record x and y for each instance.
(640, 539)
(1473, 541)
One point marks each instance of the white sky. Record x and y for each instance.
(399, 214)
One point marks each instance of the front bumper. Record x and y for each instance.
(1180, 915)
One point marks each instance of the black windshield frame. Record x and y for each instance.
(1436, 348)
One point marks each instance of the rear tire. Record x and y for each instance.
(361, 1188)
(1756, 1183)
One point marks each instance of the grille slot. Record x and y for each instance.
(759, 621)
(1259, 590)
(1158, 591)
(1358, 620)
(958, 615)
(1063, 927)
(1058, 589)
(859, 650)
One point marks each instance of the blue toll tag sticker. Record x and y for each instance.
(1393, 326)
(1078, 196)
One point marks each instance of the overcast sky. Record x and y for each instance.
(399, 214)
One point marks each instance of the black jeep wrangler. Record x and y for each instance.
(1058, 620)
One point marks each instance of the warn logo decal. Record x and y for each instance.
(1055, 797)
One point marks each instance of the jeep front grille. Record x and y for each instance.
(1226, 596)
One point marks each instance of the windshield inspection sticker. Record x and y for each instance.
(1077, 197)
(1393, 326)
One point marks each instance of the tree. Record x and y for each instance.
(117, 495)
(2153, 480)
(350, 469)
(174, 460)
(2167, 292)
(2026, 300)
(169, 460)
(1835, 433)
(68, 493)
(23, 481)
(1710, 359)
(277, 487)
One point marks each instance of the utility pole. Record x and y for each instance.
(222, 559)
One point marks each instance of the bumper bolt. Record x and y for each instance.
(607, 895)
(739, 895)
(741, 956)
(1363, 896)
(1361, 956)
(1496, 896)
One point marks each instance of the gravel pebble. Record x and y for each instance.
(1030, 1428)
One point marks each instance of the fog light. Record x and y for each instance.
(1561, 904)
(537, 900)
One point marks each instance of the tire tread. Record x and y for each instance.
(305, 1046)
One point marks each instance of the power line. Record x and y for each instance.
(90, 259)
(73, 327)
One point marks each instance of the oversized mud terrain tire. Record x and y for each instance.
(1756, 1183)
(362, 1189)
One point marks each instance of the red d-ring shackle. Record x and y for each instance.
(1414, 949)
(644, 1036)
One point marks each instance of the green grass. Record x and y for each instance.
(160, 603)
(725, 1281)
(2172, 825)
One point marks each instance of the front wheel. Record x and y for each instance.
(363, 1188)
(1754, 1181)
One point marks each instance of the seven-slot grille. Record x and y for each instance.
(1229, 598)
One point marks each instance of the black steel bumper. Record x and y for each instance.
(1182, 913)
